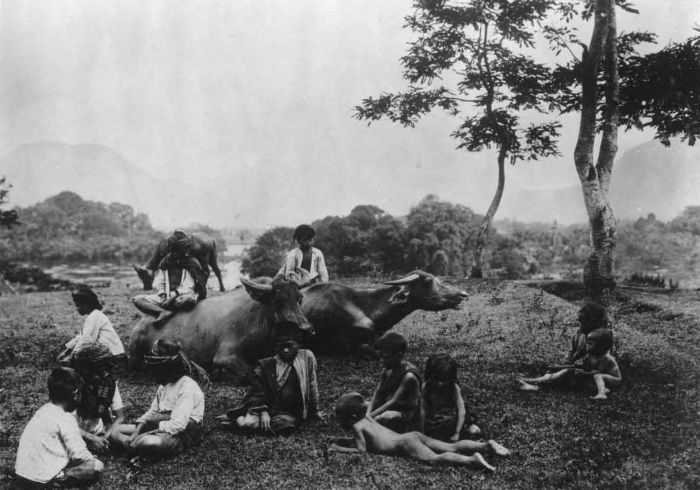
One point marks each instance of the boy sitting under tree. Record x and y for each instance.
(598, 368)
(372, 437)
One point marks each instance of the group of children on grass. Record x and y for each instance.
(425, 421)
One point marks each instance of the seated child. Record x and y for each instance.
(373, 437)
(178, 281)
(443, 414)
(283, 391)
(101, 409)
(305, 256)
(590, 317)
(174, 421)
(598, 368)
(396, 400)
(97, 326)
(51, 451)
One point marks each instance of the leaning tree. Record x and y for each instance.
(474, 61)
(612, 85)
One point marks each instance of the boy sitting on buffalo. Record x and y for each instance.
(396, 401)
(283, 391)
(178, 281)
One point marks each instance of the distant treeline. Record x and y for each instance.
(438, 236)
(68, 228)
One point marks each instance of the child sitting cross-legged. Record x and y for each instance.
(396, 400)
(174, 421)
(598, 369)
(51, 451)
(283, 391)
(443, 413)
(372, 437)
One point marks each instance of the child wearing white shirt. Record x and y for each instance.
(97, 326)
(173, 423)
(51, 450)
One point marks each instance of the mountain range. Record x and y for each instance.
(648, 178)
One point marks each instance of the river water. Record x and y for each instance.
(104, 274)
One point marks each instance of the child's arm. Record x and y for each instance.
(322, 271)
(408, 383)
(370, 406)
(461, 414)
(422, 410)
(118, 419)
(314, 411)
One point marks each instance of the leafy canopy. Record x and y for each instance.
(471, 61)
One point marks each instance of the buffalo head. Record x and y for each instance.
(282, 300)
(420, 290)
(145, 275)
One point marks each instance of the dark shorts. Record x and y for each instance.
(176, 443)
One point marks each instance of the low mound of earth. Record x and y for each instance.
(647, 435)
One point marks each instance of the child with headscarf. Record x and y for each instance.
(174, 421)
(101, 409)
(96, 327)
(178, 282)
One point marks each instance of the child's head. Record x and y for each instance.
(599, 341)
(441, 370)
(179, 243)
(350, 408)
(167, 362)
(64, 388)
(391, 348)
(86, 300)
(304, 235)
(91, 358)
(285, 337)
(591, 316)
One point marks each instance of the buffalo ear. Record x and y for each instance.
(400, 296)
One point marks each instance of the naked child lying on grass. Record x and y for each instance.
(372, 437)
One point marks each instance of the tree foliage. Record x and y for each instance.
(67, 228)
(8, 217)
(471, 60)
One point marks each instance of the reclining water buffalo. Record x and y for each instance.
(229, 331)
(348, 318)
(203, 249)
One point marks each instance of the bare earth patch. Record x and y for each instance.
(647, 435)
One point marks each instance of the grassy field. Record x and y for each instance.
(646, 436)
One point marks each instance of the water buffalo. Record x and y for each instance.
(229, 331)
(347, 318)
(203, 249)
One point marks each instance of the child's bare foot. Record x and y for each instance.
(599, 396)
(607, 391)
(473, 430)
(498, 449)
(479, 460)
(525, 386)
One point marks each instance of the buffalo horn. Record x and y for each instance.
(404, 280)
(263, 288)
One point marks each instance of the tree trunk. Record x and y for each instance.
(599, 269)
(477, 268)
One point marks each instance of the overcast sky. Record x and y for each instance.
(231, 90)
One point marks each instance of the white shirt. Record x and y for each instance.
(318, 264)
(49, 442)
(98, 328)
(161, 283)
(183, 399)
